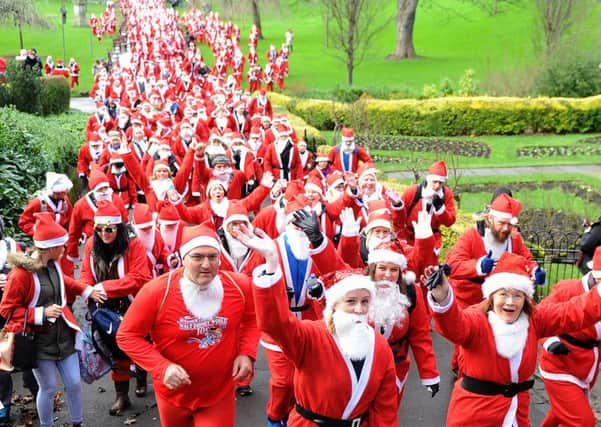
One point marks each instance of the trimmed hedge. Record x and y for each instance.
(30, 146)
(55, 95)
(454, 115)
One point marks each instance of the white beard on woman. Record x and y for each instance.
(160, 187)
(372, 241)
(202, 303)
(146, 236)
(220, 208)
(510, 338)
(169, 235)
(352, 331)
(390, 306)
(298, 242)
(428, 193)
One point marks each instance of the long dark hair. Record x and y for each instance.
(112, 250)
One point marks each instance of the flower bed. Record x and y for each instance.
(468, 148)
(538, 151)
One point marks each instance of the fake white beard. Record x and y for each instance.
(510, 338)
(202, 303)
(428, 193)
(221, 122)
(332, 195)
(107, 195)
(254, 144)
(146, 236)
(236, 249)
(95, 153)
(213, 149)
(389, 306)
(348, 148)
(373, 241)
(220, 208)
(317, 208)
(122, 122)
(280, 145)
(374, 195)
(352, 331)
(224, 175)
(280, 218)
(164, 154)
(299, 243)
(161, 186)
(169, 236)
(186, 136)
(118, 171)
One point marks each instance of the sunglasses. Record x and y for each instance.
(105, 229)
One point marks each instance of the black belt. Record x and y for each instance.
(320, 420)
(489, 388)
(301, 308)
(588, 344)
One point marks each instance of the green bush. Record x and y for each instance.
(55, 95)
(25, 87)
(5, 95)
(29, 147)
(577, 76)
(456, 115)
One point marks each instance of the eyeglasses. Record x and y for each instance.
(105, 229)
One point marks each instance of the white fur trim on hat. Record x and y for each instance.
(196, 242)
(313, 187)
(337, 291)
(386, 255)
(232, 218)
(497, 281)
(144, 225)
(107, 220)
(322, 159)
(436, 178)
(100, 185)
(214, 182)
(51, 243)
(378, 223)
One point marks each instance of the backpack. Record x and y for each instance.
(91, 364)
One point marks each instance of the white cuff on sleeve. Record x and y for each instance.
(443, 306)
(72, 259)
(441, 210)
(320, 248)
(38, 318)
(430, 381)
(85, 294)
(550, 341)
(479, 267)
(261, 280)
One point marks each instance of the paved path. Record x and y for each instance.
(84, 104)
(518, 170)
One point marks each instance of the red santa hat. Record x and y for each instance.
(365, 170)
(437, 172)
(379, 218)
(107, 213)
(236, 137)
(348, 134)
(136, 118)
(236, 211)
(255, 132)
(293, 189)
(322, 156)
(168, 215)
(215, 183)
(97, 180)
(505, 207)
(160, 164)
(47, 233)
(296, 203)
(142, 216)
(58, 183)
(196, 236)
(336, 292)
(595, 263)
(314, 184)
(512, 271)
(185, 124)
(165, 121)
(334, 179)
(388, 252)
(262, 92)
(265, 119)
(280, 130)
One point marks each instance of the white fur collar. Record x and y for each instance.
(202, 303)
(510, 338)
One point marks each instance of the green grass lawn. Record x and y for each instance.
(78, 40)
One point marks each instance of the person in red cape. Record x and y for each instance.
(204, 335)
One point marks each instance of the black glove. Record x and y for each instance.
(558, 348)
(435, 278)
(314, 287)
(309, 224)
(433, 388)
(437, 202)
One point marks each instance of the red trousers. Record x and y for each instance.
(221, 414)
(123, 366)
(281, 385)
(569, 405)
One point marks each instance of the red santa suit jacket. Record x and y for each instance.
(206, 349)
(62, 212)
(357, 155)
(23, 290)
(132, 268)
(471, 329)
(321, 368)
(202, 174)
(581, 365)
(273, 163)
(464, 259)
(85, 160)
(82, 222)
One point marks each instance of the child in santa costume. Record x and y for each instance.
(344, 370)
(569, 363)
(38, 289)
(204, 335)
(498, 339)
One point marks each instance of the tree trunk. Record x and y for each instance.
(405, 20)
(257, 17)
(79, 11)
(349, 72)
(20, 34)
